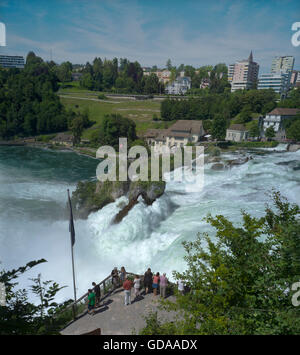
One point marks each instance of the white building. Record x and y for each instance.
(178, 135)
(279, 82)
(179, 86)
(12, 61)
(276, 120)
(237, 133)
(284, 64)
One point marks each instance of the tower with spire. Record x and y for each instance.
(250, 59)
(243, 74)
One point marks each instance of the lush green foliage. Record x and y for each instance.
(120, 76)
(270, 132)
(28, 102)
(293, 100)
(227, 104)
(292, 127)
(20, 316)
(241, 279)
(112, 128)
(254, 129)
(293, 132)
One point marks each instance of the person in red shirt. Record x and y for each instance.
(155, 283)
(127, 286)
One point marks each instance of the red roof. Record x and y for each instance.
(284, 111)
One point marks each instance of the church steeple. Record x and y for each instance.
(250, 59)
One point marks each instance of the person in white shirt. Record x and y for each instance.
(137, 285)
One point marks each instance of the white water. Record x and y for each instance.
(147, 236)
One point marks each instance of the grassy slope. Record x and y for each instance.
(141, 112)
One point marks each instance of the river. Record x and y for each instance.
(34, 225)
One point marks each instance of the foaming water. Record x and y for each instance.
(33, 224)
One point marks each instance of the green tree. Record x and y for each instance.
(254, 129)
(77, 126)
(245, 116)
(293, 132)
(270, 132)
(20, 316)
(240, 279)
(28, 103)
(64, 72)
(152, 84)
(169, 64)
(218, 128)
(115, 126)
(87, 81)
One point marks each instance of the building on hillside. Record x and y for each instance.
(63, 139)
(284, 64)
(76, 76)
(156, 137)
(205, 83)
(243, 74)
(178, 135)
(276, 119)
(164, 76)
(12, 61)
(279, 82)
(237, 133)
(179, 86)
(230, 72)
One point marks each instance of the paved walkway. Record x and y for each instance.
(114, 318)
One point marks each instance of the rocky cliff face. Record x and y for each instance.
(92, 196)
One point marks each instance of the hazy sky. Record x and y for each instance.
(151, 31)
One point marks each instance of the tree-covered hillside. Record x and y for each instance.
(28, 103)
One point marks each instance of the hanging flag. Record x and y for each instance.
(71, 223)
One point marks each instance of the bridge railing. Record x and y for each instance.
(106, 286)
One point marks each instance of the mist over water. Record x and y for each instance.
(34, 224)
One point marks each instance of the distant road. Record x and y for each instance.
(132, 96)
(86, 98)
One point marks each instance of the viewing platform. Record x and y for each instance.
(113, 317)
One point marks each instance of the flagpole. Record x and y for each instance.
(72, 238)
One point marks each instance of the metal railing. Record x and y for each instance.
(106, 286)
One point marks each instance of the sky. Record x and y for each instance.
(193, 32)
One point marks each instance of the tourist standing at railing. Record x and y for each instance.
(163, 285)
(97, 292)
(115, 278)
(148, 280)
(137, 286)
(127, 285)
(91, 304)
(155, 283)
(123, 275)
